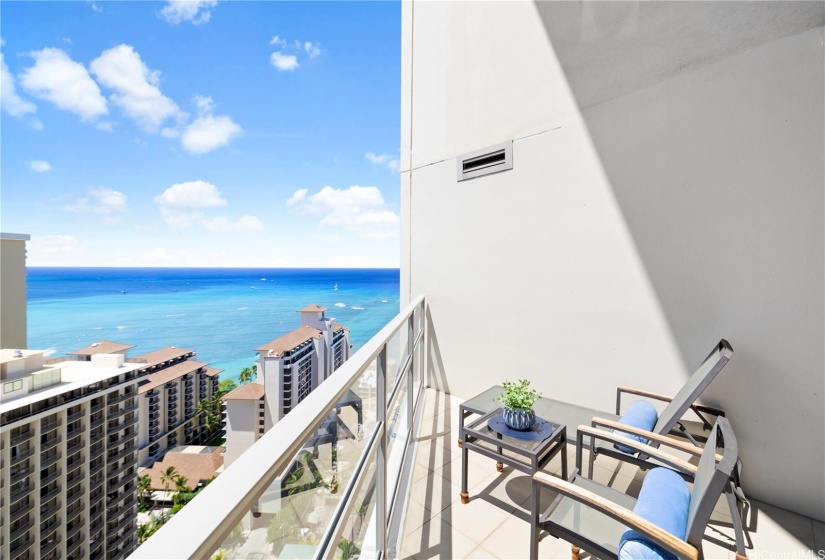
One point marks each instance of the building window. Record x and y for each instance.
(13, 386)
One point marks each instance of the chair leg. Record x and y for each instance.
(575, 551)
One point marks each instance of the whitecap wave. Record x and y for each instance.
(96, 328)
(242, 308)
(121, 327)
(176, 315)
(340, 305)
(385, 301)
(359, 308)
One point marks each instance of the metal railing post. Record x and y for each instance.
(381, 464)
(410, 370)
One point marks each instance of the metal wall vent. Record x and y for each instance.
(486, 162)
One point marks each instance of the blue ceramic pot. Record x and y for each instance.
(519, 418)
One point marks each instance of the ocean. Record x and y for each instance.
(222, 314)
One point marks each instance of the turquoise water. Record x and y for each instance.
(222, 314)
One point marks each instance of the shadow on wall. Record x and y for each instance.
(707, 119)
(436, 376)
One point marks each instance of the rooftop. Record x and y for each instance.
(102, 347)
(169, 374)
(291, 340)
(163, 355)
(197, 463)
(312, 308)
(246, 392)
(212, 372)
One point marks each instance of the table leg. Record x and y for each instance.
(534, 522)
(563, 459)
(465, 497)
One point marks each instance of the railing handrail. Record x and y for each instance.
(225, 500)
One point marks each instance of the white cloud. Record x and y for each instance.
(66, 83)
(312, 49)
(101, 201)
(224, 224)
(51, 250)
(105, 126)
(208, 133)
(277, 41)
(9, 100)
(203, 103)
(299, 195)
(40, 166)
(96, 8)
(358, 209)
(192, 194)
(36, 124)
(391, 162)
(178, 11)
(135, 87)
(284, 62)
(180, 206)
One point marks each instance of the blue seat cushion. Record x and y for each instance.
(642, 415)
(664, 500)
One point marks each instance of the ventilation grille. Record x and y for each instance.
(485, 162)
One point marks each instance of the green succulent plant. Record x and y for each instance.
(518, 395)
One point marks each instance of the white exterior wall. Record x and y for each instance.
(667, 191)
(241, 428)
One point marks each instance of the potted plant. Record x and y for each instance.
(518, 400)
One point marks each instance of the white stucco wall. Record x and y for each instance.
(667, 191)
(241, 428)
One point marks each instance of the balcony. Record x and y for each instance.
(20, 509)
(20, 438)
(15, 459)
(48, 479)
(47, 546)
(97, 421)
(21, 548)
(369, 393)
(74, 448)
(128, 451)
(19, 474)
(73, 416)
(49, 426)
(98, 407)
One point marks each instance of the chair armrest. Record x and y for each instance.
(639, 392)
(655, 533)
(658, 438)
(666, 458)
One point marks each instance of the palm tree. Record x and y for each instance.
(168, 477)
(144, 487)
(180, 484)
(247, 374)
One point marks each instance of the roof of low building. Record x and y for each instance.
(339, 327)
(212, 372)
(102, 347)
(312, 308)
(291, 340)
(168, 374)
(162, 355)
(196, 463)
(246, 392)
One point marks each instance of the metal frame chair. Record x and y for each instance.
(603, 513)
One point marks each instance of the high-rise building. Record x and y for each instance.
(13, 292)
(289, 368)
(171, 385)
(68, 456)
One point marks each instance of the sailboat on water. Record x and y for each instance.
(335, 287)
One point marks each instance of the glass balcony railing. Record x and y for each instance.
(326, 475)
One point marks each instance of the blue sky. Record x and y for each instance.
(201, 133)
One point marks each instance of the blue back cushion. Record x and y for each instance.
(642, 415)
(664, 500)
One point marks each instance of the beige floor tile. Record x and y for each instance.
(436, 539)
(511, 540)
(415, 516)
(481, 553)
(780, 530)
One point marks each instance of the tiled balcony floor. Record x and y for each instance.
(495, 524)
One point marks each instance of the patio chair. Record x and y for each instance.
(667, 520)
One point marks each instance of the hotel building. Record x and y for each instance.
(289, 368)
(168, 400)
(68, 459)
(171, 385)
